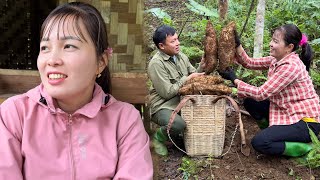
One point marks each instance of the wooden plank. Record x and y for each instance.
(105, 10)
(130, 45)
(114, 23)
(124, 58)
(119, 7)
(137, 54)
(113, 40)
(127, 87)
(122, 34)
(139, 39)
(130, 87)
(134, 29)
(120, 49)
(112, 64)
(132, 6)
(15, 82)
(139, 18)
(127, 18)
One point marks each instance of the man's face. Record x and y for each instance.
(171, 45)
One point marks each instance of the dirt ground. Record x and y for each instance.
(234, 165)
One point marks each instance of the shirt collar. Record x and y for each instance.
(285, 59)
(166, 57)
(100, 99)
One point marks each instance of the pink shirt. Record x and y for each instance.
(289, 88)
(98, 141)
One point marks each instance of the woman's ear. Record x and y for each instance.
(291, 46)
(103, 62)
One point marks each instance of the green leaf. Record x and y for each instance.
(315, 41)
(202, 10)
(291, 172)
(314, 138)
(159, 13)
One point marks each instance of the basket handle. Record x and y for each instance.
(236, 107)
(173, 115)
(177, 109)
(244, 148)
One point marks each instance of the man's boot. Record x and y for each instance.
(296, 149)
(158, 140)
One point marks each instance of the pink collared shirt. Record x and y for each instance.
(105, 139)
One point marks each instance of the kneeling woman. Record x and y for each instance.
(286, 105)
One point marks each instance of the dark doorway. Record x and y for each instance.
(20, 24)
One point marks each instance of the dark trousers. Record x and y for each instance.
(162, 119)
(272, 139)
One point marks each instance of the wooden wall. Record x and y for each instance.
(124, 19)
(127, 87)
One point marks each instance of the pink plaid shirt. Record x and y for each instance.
(289, 88)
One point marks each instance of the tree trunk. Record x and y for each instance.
(258, 38)
(223, 9)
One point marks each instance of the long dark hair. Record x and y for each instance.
(94, 24)
(293, 35)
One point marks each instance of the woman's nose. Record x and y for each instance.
(55, 59)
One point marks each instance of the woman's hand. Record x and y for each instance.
(237, 39)
(228, 74)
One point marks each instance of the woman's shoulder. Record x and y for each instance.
(19, 100)
(120, 105)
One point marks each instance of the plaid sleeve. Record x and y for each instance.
(278, 79)
(262, 63)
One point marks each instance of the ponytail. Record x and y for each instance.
(293, 35)
(306, 55)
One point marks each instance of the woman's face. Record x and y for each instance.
(278, 48)
(67, 63)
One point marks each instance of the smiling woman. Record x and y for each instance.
(286, 105)
(70, 119)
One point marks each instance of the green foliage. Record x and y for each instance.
(159, 13)
(303, 13)
(168, 21)
(315, 76)
(293, 174)
(192, 167)
(255, 78)
(201, 10)
(192, 52)
(188, 167)
(312, 159)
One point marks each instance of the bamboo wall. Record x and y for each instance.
(124, 20)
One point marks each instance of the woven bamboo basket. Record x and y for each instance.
(205, 125)
(205, 117)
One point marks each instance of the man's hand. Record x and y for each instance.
(228, 74)
(237, 39)
(195, 75)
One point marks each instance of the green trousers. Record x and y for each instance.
(162, 119)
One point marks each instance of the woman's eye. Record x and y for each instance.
(69, 46)
(43, 48)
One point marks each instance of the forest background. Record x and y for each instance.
(191, 28)
(189, 17)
